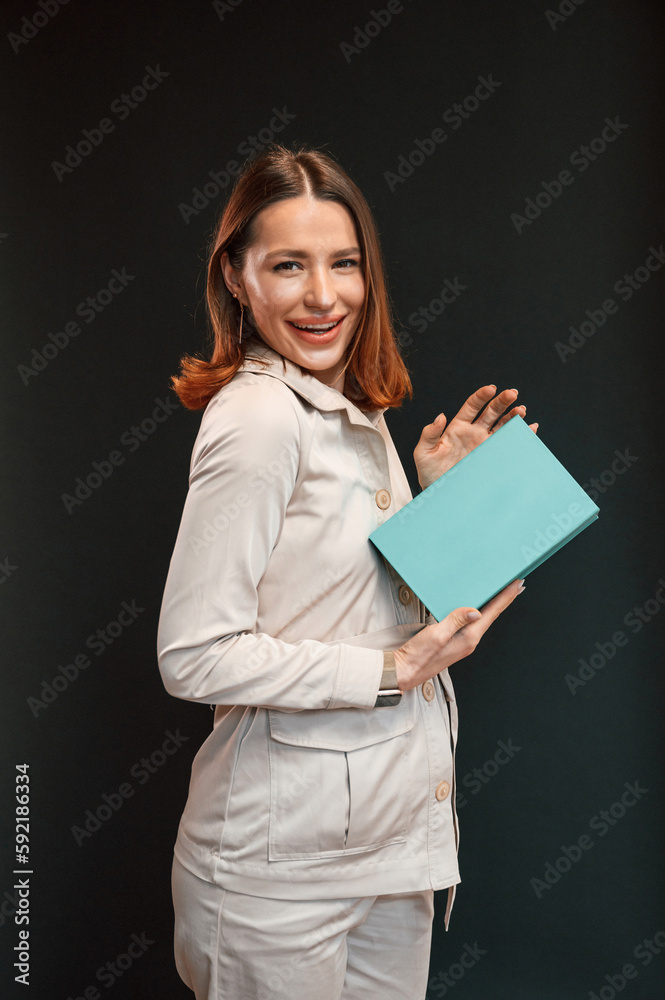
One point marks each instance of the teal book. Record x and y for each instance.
(496, 515)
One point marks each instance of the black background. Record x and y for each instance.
(67, 573)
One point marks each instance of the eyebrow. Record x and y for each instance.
(301, 253)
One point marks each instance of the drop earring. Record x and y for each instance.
(242, 311)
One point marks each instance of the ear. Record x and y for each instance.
(231, 276)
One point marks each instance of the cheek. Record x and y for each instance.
(357, 292)
(273, 300)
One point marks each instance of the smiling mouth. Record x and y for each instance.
(315, 327)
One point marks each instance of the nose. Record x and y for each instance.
(320, 292)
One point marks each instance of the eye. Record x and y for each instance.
(348, 260)
(285, 265)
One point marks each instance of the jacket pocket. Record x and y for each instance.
(337, 780)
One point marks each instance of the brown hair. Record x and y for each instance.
(380, 377)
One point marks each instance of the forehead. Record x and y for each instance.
(304, 221)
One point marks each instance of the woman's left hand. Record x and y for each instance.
(440, 446)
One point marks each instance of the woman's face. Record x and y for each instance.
(304, 269)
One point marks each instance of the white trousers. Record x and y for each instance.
(232, 946)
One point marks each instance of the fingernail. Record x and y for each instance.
(473, 615)
(521, 589)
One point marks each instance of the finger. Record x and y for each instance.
(454, 624)
(457, 634)
(474, 404)
(534, 427)
(517, 411)
(429, 642)
(463, 617)
(500, 602)
(460, 618)
(496, 407)
(432, 432)
(491, 611)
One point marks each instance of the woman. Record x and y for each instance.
(320, 816)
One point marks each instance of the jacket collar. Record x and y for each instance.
(322, 396)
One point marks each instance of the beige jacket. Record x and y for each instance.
(276, 610)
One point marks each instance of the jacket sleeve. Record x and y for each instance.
(243, 472)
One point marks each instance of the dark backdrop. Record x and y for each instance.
(103, 251)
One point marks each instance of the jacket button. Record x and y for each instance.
(382, 498)
(428, 691)
(404, 595)
(442, 790)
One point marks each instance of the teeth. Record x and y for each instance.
(316, 329)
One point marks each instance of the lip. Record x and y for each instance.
(317, 320)
(317, 338)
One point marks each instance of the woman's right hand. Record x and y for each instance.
(439, 645)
